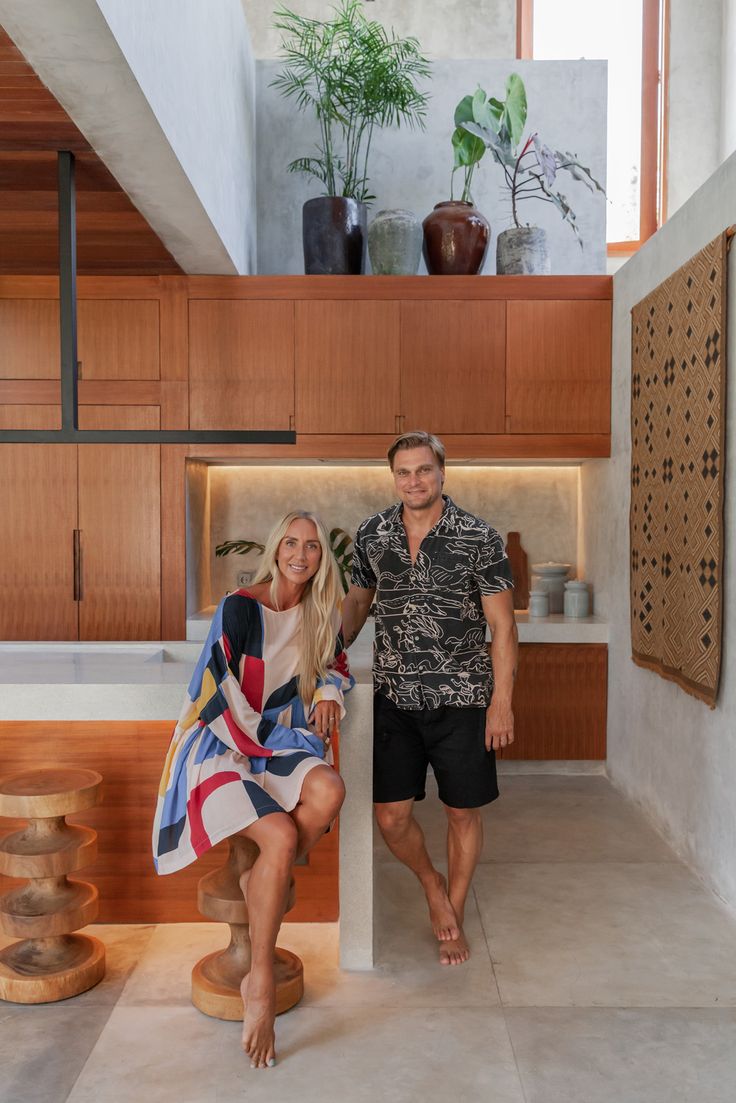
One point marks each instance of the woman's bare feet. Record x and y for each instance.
(441, 912)
(259, 1000)
(455, 951)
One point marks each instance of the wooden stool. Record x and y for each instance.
(51, 963)
(216, 978)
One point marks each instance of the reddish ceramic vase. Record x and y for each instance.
(456, 238)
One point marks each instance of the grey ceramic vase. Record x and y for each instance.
(522, 251)
(395, 243)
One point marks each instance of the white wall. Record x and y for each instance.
(666, 750)
(456, 28)
(728, 83)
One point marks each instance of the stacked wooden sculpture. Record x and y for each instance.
(216, 978)
(50, 963)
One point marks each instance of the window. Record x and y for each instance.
(629, 35)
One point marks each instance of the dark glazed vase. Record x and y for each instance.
(335, 235)
(456, 238)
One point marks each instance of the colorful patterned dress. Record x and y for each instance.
(241, 747)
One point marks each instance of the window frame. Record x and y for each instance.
(654, 112)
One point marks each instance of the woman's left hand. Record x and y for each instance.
(326, 720)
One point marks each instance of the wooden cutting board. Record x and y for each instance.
(520, 570)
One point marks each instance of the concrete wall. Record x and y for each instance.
(728, 82)
(194, 65)
(457, 28)
(666, 750)
(567, 105)
(541, 503)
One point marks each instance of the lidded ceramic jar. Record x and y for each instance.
(552, 577)
(577, 599)
(538, 603)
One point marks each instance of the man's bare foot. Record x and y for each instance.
(259, 1000)
(455, 951)
(441, 912)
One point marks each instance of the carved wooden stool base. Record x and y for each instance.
(216, 979)
(51, 963)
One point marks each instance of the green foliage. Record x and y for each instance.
(239, 547)
(530, 172)
(355, 76)
(340, 541)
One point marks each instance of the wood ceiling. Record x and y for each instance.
(112, 236)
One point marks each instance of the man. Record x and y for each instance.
(437, 575)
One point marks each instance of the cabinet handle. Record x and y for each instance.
(292, 421)
(77, 564)
(399, 424)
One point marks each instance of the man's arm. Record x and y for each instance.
(355, 610)
(499, 613)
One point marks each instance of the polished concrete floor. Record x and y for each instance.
(601, 971)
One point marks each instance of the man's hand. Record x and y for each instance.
(499, 725)
(326, 720)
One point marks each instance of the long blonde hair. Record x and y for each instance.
(321, 601)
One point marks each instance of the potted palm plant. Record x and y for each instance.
(355, 76)
(530, 170)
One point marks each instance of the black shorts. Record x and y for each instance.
(450, 739)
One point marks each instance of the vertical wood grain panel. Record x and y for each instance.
(453, 366)
(120, 521)
(29, 339)
(558, 367)
(118, 339)
(130, 758)
(560, 702)
(347, 367)
(174, 336)
(173, 542)
(241, 364)
(38, 515)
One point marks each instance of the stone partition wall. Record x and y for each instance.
(244, 502)
(567, 105)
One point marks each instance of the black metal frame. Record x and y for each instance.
(70, 433)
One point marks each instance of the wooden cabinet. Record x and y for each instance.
(118, 339)
(347, 367)
(38, 516)
(560, 702)
(29, 338)
(452, 366)
(241, 364)
(558, 366)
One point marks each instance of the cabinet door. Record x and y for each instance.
(29, 339)
(241, 364)
(347, 367)
(453, 366)
(38, 515)
(120, 524)
(558, 366)
(118, 339)
(560, 702)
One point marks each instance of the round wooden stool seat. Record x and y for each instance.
(51, 963)
(49, 791)
(216, 979)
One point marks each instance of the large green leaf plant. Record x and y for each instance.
(530, 167)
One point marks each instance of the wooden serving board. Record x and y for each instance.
(520, 570)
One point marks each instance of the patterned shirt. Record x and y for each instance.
(430, 647)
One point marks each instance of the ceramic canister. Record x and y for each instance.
(577, 599)
(538, 603)
(551, 577)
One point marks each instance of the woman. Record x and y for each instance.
(247, 754)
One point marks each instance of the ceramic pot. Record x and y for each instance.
(456, 238)
(577, 599)
(395, 243)
(334, 234)
(551, 577)
(522, 251)
(538, 603)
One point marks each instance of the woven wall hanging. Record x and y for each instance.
(678, 411)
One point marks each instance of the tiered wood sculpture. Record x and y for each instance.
(216, 978)
(51, 963)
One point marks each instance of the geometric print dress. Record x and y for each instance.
(241, 747)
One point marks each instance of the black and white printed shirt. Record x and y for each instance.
(430, 647)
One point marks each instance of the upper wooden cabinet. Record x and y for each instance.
(558, 366)
(241, 364)
(118, 339)
(29, 339)
(347, 367)
(452, 366)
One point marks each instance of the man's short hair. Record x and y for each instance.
(417, 439)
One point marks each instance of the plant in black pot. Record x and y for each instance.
(530, 171)
(456, 235)
(355, 76)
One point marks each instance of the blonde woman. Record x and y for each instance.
(248, 752)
